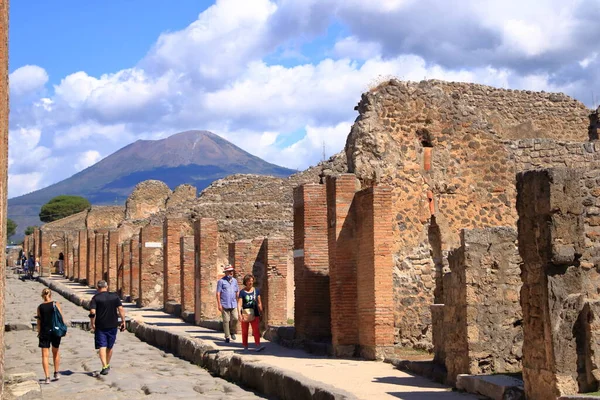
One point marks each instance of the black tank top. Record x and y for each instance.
(46, 310)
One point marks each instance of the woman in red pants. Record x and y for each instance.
(250, 309)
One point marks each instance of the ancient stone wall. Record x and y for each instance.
(559, 241)
(148, 197)
(72, 222)
(104, 217)
(445, 149)
(151, 264)
(482, 316)
(182, 195)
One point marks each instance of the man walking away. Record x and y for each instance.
(104, 321)
(227, 292)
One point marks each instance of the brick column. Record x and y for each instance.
(556, 269)
(99, 256)
(75, 258)
(43, 247)
(206, 236)
(134, 268)
(274, 288)
(311, 263)
(342, 266)
(374, 272)
(81, 256)
(26, 244)
(112, 260)
(125, 283)
(151, 267)
(37, 251)
(67, 257)
(90, 257)
(188, 295)
(172, 261)
(243, 255)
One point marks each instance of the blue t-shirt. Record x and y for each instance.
(250, 299)
(228, 289)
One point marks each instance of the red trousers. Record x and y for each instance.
(255, 331)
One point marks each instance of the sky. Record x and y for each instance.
(278, 78)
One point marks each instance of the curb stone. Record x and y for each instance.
(265, 379)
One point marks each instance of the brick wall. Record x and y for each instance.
(151, 267)
(559, 241)
(247, 257)
(374, 242)
(3, 165)
(112, 260)
(274, 288)
(125, 284)
(91, 258)
(342, 265)
(134, 268)
(173, 229)
(206, 269)
(188, 295)
(311, 263)
(482, 315)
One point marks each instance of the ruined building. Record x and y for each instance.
(412, 232)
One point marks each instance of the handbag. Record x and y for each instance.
(248, 314)
(58, 326)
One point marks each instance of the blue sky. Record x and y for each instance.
(276, 77)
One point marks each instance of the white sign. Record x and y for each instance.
(155, 245)
(298, 253)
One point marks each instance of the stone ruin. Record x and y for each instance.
(412, 230)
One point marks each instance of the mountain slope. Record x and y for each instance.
(194, 157)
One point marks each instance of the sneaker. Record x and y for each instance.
(47, 381)
(260, 348)
(227, 340)
(246, 348)
(56, 376)
(233, 336)
(105, 370)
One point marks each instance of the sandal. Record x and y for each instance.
(47, 381)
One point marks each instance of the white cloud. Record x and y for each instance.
(24, 183)
(27, 79)
(87, 158)
(218, 74)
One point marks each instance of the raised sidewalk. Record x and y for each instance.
(277, 371)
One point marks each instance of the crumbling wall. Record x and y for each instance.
(482, 314)
(104, 217)
(559, 241)
(445, 149)
(148, 197)
(182, 195)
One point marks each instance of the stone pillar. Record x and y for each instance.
(482, 315)
(125, 283)
(558, 276)
(26, 244)
(112, 260)
(81, 256)
(98, 257)
(37, 251)
(172, 232)
(67, 256)
(206, 239)
(342, 267)
(43, 247)
(134, 268)
(188, 295)
(274, 288)
(151, 267)
(90, 257)
(374, 241)
(75, 258)
(311, 263)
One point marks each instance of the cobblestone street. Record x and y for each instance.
(138, 370)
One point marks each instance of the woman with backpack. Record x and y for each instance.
(46, 334)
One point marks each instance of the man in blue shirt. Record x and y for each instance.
(227, 293)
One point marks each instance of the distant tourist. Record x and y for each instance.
(227, 292)
(250, 310)
(30, 266)
(47, 337)
(61, 264)
(104, 320)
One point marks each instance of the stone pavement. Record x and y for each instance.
(138, 370)
(332, 377)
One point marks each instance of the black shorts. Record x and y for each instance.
(46, 340)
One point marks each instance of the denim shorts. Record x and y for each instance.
(105, 338)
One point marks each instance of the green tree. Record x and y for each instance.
(63, 206)
(29, 230)
(11, 227)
